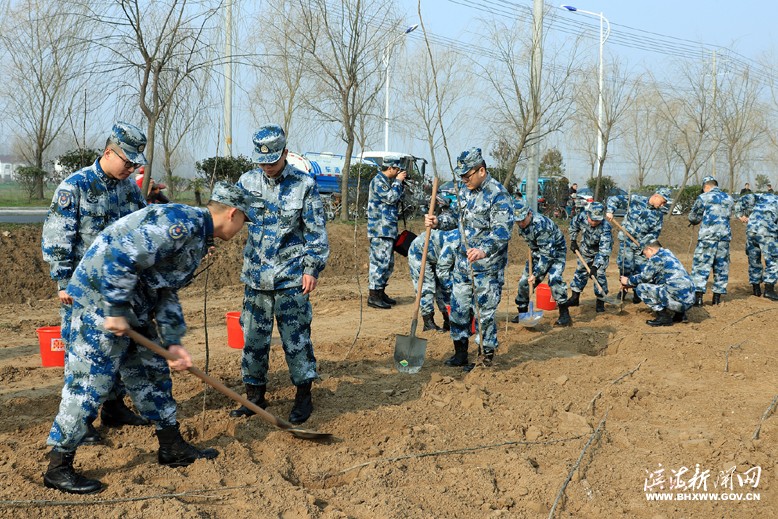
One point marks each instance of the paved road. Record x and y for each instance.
(22, 214)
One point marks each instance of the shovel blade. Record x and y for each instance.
(611, 300)
(530, 319)
(409, 352)
(307, 434)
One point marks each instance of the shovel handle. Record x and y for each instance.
(423, 265)
(586, 265)
(626, 233)
(218, 386)
(531, 285)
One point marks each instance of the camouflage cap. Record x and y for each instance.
(520, 210)
(595, 211)
(131, 140)
(392, 161)
(269, 144)
(233, 196)
(665, 193)
(708, 178)
(467, 160)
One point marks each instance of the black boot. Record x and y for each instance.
(63, 477)
(698, 299)
(303, 404)
(115, 414)
(376, 300)
(769, 292)
(716, 299)
(635, 298)
(564, 316)
(575, 299)
(255, 395)
(460, 354)
(174, 451)
(599, 306)
(92, 436)
(757, 289)
(663, 317)
(386, 299)
(680, 317)
(486, 360)
(429, 323)
(522, 310)
(446, 323)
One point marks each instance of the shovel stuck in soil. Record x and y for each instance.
(221, 388)
(611, 300)
(409, 350)
(531, 318)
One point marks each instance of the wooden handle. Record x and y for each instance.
(427, 235)
(627, 234)
(586, 265)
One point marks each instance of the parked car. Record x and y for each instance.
(585, 196)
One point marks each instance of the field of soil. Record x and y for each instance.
(609, 409)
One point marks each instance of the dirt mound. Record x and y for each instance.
(651, 407)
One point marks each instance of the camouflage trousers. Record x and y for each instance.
(381, 262)
(758, 246)
(555, 281)
(433, 290)
(658, 297)
(581, 276)
(711, 255)
(630, 259)
(293, 315)
(488, 291)
(118, 391)
(94, 357)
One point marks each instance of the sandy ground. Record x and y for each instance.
(651, 406)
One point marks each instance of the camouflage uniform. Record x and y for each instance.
(549, 253)
(663, 283)
(761, 235)
(643, 222)
(383, 197)
(84, 204)
(134, 270)
(713, 211)
(287, 239)
(437, 270)
(595, 248)
(487, 223)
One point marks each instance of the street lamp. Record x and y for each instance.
(386, 72)
(599, 97)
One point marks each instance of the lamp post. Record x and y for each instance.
(386, 87)
(603, 37)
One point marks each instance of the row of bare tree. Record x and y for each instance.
(318, 68)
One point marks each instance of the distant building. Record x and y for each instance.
(8, 165)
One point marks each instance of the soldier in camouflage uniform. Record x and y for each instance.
(437, 274)
(760, 214)
(130, 276)
(713, 209)
(483, 214)
(643, 220)
(287, 249)
(549, 253)
(663, 284)
(386, 191)
(84, 204)
(595, 249)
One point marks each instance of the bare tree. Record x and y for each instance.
(644, 134)
(515, 108)
(345, 42)
(740, 121)
(45, 71)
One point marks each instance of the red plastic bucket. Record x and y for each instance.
(234, 331)
(472, 322)
(543, 298)
(52, 346)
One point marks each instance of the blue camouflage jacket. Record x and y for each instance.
(382, 200)
(135, 267)
(714, 210)
(487, 223)
(663, 268)
(642, 221)
(594, 240)
(762, 212)
(546, 242)
(84, 204)
(287, 233)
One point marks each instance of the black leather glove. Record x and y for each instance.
(574, 246)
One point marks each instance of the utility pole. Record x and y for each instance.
(228, 78)
(715, 119)
(533, 138)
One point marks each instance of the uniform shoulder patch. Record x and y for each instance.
(64, 198)
(177, 231)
